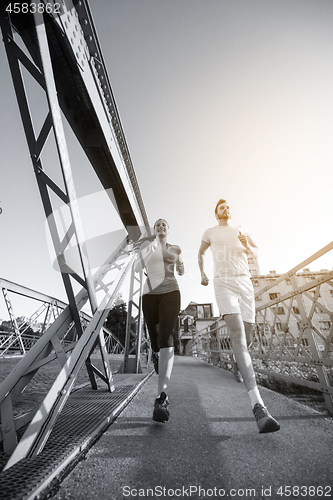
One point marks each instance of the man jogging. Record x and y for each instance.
(231, 246)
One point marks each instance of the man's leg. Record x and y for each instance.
(249, 331)
(236, 329)
(266, 423)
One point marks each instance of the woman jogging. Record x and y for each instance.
(161, 305)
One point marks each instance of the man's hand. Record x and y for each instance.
(204, 279)
(243, 239)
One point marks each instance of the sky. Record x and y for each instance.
(218, 99)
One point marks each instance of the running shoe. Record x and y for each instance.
(155, 360)
(265, 421)
(161, 412)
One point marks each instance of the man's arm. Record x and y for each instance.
(248, 243)
(202, 250)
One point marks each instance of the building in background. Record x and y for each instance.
(193, 318)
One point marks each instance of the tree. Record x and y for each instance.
(116, 323)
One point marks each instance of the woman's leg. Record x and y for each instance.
(150, 311)
(168, 312)
(165, 365)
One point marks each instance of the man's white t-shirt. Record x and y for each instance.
(229, 255)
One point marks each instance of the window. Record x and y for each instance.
(273, 296)
(279, 326)
(324, 325)
(255, 282)
(200, 312)
(250, 260)
(207, 311)
(278, 310)
(258, 298)
(296, 310)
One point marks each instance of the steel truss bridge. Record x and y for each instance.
(61, 53)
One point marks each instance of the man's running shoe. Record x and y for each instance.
(161, 412)
(265, 421)
(155, 360)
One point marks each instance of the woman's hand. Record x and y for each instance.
(145, 243)
(180, 268)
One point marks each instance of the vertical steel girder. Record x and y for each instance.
(41, 67)
(132, 364)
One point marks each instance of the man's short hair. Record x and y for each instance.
(219, 203)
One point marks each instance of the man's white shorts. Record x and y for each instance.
(235, 295)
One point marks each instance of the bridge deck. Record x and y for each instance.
(211, 441)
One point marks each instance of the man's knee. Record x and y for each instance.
(234, 323)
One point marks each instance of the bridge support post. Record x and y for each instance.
(134, 326)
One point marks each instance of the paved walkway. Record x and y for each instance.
(210, 448)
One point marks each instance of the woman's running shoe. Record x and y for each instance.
(161, 412)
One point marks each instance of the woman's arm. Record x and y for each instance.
(144, 256)
(179, 261)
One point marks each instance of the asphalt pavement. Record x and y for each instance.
(210, 448)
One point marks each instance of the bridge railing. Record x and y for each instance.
(294, 330)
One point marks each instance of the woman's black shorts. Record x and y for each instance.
(163, 310)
